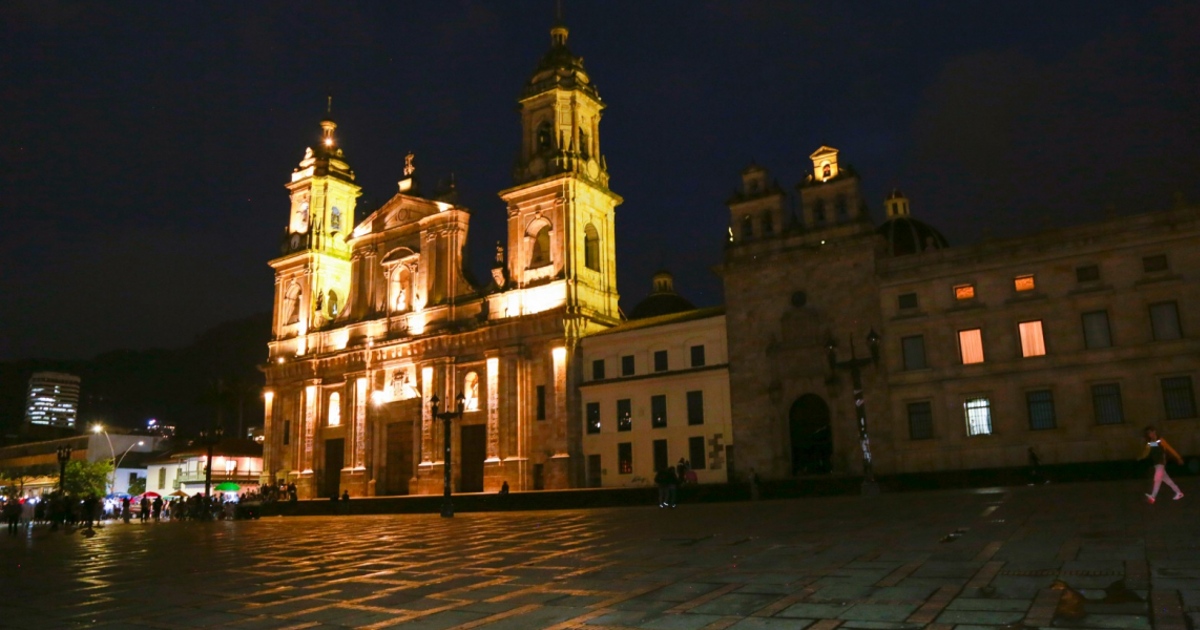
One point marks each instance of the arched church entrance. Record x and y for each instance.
(812, 436)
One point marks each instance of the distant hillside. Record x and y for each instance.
(214, 377)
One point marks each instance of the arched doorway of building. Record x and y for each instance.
(812, 436)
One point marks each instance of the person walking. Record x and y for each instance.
(156, 508)
(12, 515)
(144, 512)
(1157, 449)
(126, 510)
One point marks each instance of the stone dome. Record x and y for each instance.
(664, 300)
(906, 235)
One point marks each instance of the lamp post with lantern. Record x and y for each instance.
(855, 365)
(64, 456)
(209, 439)
(447, 417)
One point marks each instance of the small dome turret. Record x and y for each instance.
(904, 234)
(664, 300)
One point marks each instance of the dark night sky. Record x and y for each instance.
(145, 145)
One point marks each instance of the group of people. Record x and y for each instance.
(669, 478)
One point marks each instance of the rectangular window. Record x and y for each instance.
(627, 366)
(907, 300)
(1177, 397)
(1032, 342)
(695, 407)
(1106, 400)
(162, 478)
(598, 370)
(593, 417)
(658, 411)
(914, 352)
(1150, 264)
(978, 412)
(625, 458)
(661, 460)
(1041, 409)
(660, 361)
(697, 356)
(132, 478)
(541, 402)
(970, 346)
(1023, 283)
(1095, 330)
(624, 415)
(920, 420)
(1164, 321)
(964, 292)
(287, 432)
(1087, 273)
(696, 453)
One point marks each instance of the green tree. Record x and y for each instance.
(138, 486)
(88, 478)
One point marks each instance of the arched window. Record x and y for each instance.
(471, 392)
(333, 304)
(826, 170)
(291, 304)
(335, 409)
(541, 248)
(545, 137)
(747, 227)
(591, 248)
(335, 220)
(585, 149)
(398, 289)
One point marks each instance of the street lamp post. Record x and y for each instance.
(112, 483)
(854, 364)
(447, 417)
(209, 439)
(64, 456)
(117, 464)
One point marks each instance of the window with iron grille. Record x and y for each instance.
(1106, 401)
(593, 417)
(978, 414)
(920, 420)
(1041, 409)
(1178, 398)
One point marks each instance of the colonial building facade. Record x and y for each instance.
(375, 317)
(1068, 341)
(655, 391)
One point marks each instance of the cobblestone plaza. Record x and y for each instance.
(1063, 555)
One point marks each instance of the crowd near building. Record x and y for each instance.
(1068, 340)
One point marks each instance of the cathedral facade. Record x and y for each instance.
(374, 318)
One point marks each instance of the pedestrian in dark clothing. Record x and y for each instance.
(156, 508)
(672, 488)
(660, 480)
(89, 510)
(126, 509)
(145, 509)
(345, 495)
(12, 515)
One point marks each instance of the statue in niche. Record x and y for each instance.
(401, 296)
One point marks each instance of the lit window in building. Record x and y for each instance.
(625, 458)
(1178, 398)
(660, 361)
(1164, 321)
(541, 248)
(964, 292)
(471, 392)
(624, 415)
(1032, 342)
(658, 411)
(695, 407)
(920, 420)
(1106, 401)
(1095, 330)
(593, 417)
(1041, 409)
(696, 453)
(335, 409)
(978, 413)
(1024, 283)
(914, 352)
(970, 346)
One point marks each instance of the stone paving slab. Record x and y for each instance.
(940, 560)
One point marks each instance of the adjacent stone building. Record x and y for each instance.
(655, 391)
(1067, 340)
(374, 318)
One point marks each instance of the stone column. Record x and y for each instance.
(558, 471)
(305, 484)
(270, 465)
(354, 474)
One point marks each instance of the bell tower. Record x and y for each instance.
(561, 211)
(312, 276)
